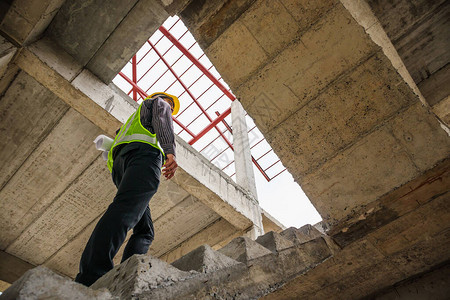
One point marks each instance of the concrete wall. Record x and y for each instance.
(419, 31)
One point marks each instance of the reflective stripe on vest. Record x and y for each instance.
(139, 134)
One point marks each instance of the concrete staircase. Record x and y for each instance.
(243, 269)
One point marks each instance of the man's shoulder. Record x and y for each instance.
(147, 103)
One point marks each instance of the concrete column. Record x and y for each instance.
(245, 177)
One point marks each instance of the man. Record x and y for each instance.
(135, 160)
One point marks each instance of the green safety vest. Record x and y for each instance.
(133, 131)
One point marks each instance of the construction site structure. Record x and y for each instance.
(353, 97)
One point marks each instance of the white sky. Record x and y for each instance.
(281, 197)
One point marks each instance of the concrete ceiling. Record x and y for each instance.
(336, 107)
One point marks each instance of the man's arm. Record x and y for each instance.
(163, 125)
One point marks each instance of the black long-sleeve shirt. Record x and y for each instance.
(156, 117)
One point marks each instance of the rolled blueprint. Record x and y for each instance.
(103, 143)
(105, 155)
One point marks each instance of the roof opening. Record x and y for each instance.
(172, 61)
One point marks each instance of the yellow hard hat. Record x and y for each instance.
(176, 102)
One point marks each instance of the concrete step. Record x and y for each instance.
(264, 273)
(307, 233)
(243, 269)
(138, 274)
(274, 241)
(204, 259)
(42, 283)
(301, 235)
(244, 249)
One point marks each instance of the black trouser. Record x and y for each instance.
(136, 173)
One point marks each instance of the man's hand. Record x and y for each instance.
(170, 166)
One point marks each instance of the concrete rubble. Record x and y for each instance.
(202, 273)
(244, 249)
(42, 283)
(244, 269)
(274, 241)
(204, 259)
(139, 273)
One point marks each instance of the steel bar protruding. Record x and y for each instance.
(211, 125)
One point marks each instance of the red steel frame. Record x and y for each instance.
(138, 93)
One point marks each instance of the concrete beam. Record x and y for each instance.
(169, 195)
(39, 111)
(418, 31)
(4, 285)
(435, 88)
(400, 16)
(442, 110)
(11, 267)
(81, 28)
(340, 115)
(25, 21)
(214, 188)
(72, 210)
(207, 20)
(121, 45)
(329, 94)
(220, 231)
(45, 175)
(398, 252)
(174, 7)
(343, 182)
(179, 224)
(423, 48)
(67, 259)
(121, 28)
(365, 17)
(52, 56)
(270, 223)
(431, 285)
(8, 76)
(56, 83)
(4, 7)
(402, 201)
